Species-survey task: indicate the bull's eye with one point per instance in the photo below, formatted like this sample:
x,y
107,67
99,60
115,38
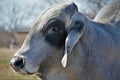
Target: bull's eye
x,y
55,29
56,33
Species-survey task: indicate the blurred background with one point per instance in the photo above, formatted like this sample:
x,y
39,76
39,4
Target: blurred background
x,y
16,18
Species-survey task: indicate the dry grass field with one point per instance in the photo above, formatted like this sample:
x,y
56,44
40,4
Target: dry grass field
x,y
6,73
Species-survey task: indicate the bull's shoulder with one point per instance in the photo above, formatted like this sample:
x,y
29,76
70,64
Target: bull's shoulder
x,y
109,14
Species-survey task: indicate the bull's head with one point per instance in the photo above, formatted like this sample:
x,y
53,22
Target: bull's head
x,y
52,38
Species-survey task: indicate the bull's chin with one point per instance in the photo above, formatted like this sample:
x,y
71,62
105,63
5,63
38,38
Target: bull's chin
x,y
29,73
25,72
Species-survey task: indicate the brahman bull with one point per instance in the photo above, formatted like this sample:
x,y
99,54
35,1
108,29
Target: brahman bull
x,y
65,45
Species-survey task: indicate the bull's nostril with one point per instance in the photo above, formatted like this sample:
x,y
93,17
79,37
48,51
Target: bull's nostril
x,y
19,62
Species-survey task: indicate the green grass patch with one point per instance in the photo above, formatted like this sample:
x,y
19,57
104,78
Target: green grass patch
x,y
6,72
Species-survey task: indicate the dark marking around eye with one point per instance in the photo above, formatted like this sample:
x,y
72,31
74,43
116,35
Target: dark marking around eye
x,y
56,34
56,39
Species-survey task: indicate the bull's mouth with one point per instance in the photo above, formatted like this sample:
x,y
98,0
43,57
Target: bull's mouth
x,y
27,73
22,71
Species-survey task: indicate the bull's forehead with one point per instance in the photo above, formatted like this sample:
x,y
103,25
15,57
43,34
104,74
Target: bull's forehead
x,y
60,12
54,12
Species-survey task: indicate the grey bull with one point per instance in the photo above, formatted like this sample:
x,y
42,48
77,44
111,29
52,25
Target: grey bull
x,y
63,44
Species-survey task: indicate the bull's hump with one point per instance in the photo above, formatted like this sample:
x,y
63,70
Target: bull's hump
x,y
109,14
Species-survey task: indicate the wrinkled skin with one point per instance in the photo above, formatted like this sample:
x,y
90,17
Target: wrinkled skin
x,y
95,56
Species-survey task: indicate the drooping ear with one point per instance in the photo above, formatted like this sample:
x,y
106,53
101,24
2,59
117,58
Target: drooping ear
x,y
72,38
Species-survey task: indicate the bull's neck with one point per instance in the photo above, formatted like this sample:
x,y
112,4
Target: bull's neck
x,y
89,33
92,32
98,34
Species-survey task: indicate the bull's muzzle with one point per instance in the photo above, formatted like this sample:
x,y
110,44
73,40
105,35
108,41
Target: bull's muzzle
x,y
17,63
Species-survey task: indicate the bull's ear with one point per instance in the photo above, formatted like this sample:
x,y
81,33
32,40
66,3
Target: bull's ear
x,y
72,38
